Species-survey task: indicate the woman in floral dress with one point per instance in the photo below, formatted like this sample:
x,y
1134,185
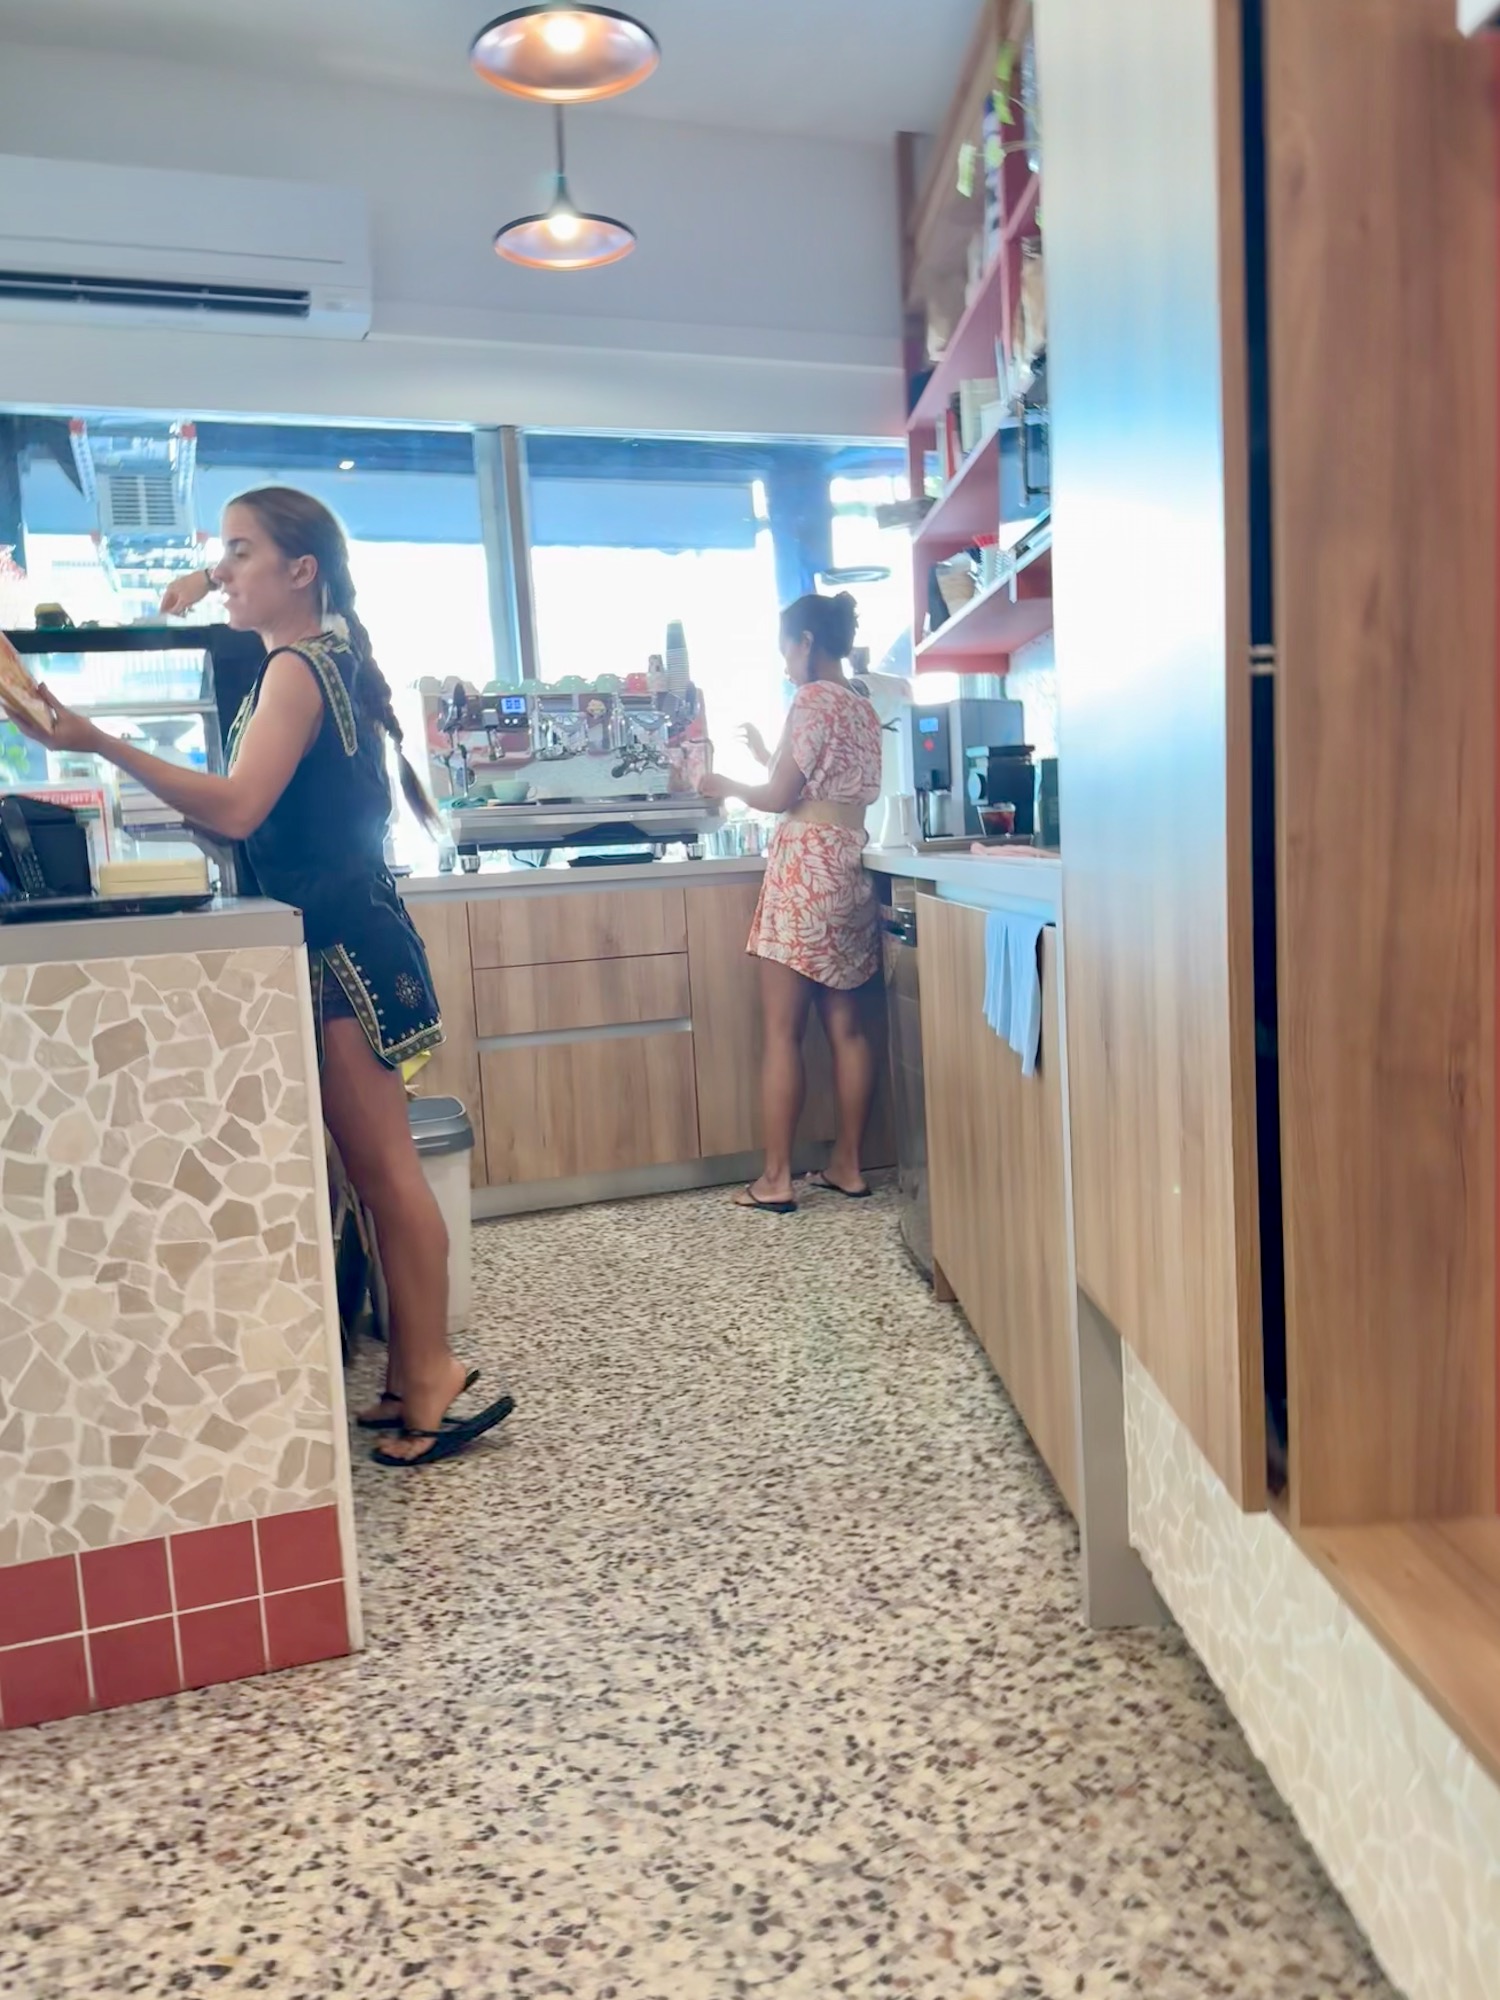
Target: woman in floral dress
x,y
816,931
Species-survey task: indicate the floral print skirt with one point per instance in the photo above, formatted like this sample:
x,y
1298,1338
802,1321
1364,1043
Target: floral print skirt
x,y
817,911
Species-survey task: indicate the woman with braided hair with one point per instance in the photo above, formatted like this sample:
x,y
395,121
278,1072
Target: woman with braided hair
x,y
308,793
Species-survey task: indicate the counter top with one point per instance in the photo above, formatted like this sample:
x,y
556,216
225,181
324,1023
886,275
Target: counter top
x,y
1014,876
499,881
231,923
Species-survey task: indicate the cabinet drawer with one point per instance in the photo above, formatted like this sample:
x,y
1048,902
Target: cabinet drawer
x,y
597,993
582,924
567,1109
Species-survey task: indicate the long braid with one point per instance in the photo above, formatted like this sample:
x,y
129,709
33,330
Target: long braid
x,y
372,695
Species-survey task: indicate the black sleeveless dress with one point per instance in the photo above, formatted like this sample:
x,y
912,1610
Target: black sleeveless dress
x,y
321,848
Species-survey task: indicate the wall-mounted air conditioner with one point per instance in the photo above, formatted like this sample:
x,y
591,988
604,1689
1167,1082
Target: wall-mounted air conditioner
x,y
97,245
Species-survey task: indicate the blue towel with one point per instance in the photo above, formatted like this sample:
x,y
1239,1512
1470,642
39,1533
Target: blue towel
x,y
1013,983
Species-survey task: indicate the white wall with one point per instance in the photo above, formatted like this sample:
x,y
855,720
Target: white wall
x,y
763,297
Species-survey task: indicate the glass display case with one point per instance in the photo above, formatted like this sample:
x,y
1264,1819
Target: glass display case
x,y
153,685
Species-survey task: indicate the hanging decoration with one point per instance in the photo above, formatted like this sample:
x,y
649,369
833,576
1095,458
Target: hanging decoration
x,y
564,54
564,237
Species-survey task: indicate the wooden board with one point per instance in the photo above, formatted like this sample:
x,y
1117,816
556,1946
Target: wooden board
x,y
995,1159
443,926
1430,1592
1148,562
568,1109
1385,353
595,993
582,924
727,1037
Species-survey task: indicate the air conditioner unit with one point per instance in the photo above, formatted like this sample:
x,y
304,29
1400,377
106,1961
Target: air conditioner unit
x,y
99,245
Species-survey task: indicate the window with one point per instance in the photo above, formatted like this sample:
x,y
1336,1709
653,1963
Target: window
x,y
630,535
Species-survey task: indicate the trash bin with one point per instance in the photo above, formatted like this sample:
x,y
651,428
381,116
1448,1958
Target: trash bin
x,y
445,1139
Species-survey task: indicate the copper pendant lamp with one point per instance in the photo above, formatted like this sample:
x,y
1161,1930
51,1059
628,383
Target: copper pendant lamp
x,y
564,238
565,54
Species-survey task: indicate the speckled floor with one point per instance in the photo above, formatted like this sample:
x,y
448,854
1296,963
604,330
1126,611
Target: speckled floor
x,y
745,1662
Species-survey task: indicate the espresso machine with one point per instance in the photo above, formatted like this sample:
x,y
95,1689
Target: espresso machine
x,y
945,739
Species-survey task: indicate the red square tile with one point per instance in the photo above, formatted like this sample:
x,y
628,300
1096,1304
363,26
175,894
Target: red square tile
x,y
296,1549
134,1663
214,1566
39,1601
307,1625
126,1584
43,1683
221,1645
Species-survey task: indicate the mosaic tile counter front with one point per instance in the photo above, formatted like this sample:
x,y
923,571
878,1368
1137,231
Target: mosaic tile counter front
x,y
1402,1815
174,1481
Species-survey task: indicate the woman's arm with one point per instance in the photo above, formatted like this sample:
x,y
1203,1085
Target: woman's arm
x,y
278,736
778,794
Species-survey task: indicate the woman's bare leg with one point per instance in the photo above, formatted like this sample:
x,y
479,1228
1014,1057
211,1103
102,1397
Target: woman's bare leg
x,y
853,1082
785,997
365,1105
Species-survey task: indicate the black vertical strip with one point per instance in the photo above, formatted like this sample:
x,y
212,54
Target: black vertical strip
x,y
1263,742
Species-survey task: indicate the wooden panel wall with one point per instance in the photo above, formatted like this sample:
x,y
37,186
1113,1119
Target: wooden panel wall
x,y
999,1195
1385,217
1146,372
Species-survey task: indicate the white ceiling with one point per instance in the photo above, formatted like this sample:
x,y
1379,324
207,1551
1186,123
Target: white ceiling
x,y
850,69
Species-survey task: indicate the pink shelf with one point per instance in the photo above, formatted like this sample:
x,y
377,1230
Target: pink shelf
x,y
970,354
994,624
970,505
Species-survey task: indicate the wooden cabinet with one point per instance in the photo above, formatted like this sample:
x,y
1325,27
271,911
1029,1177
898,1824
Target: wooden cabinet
x,y
727,1040
566,1110
582,968
1147,348
997,1171
577,924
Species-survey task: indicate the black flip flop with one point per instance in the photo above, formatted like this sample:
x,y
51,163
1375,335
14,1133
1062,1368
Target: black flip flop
x,y
821,1180
456,1435
394,1423
764,1207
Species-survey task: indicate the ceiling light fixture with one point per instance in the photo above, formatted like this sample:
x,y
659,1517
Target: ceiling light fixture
x,y
564,54
565,238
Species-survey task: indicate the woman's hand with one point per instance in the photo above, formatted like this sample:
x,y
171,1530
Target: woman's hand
x,y
184,593
755,743
712,786
68,731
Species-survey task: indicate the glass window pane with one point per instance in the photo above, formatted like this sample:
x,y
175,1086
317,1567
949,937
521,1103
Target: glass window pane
x,y
630,535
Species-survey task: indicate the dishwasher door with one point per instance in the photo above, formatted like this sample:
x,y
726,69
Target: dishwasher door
x,y
904,1026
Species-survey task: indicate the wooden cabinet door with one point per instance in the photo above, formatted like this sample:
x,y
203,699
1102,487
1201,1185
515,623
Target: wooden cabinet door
x,y
564,1110
727,1040
443,926
996,1162
600,993
1147,342
520,929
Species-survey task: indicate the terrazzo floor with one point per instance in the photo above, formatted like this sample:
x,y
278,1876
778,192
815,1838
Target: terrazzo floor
x,y
746,1661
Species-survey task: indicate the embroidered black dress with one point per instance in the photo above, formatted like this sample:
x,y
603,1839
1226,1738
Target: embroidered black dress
x,y
322,849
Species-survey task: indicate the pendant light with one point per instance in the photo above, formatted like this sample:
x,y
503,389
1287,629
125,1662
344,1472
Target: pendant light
x,y
564,238
565,54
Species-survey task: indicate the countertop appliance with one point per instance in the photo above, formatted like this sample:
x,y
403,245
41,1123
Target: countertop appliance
x,y
159,684
943,735
1001,775
908,1092
607,768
